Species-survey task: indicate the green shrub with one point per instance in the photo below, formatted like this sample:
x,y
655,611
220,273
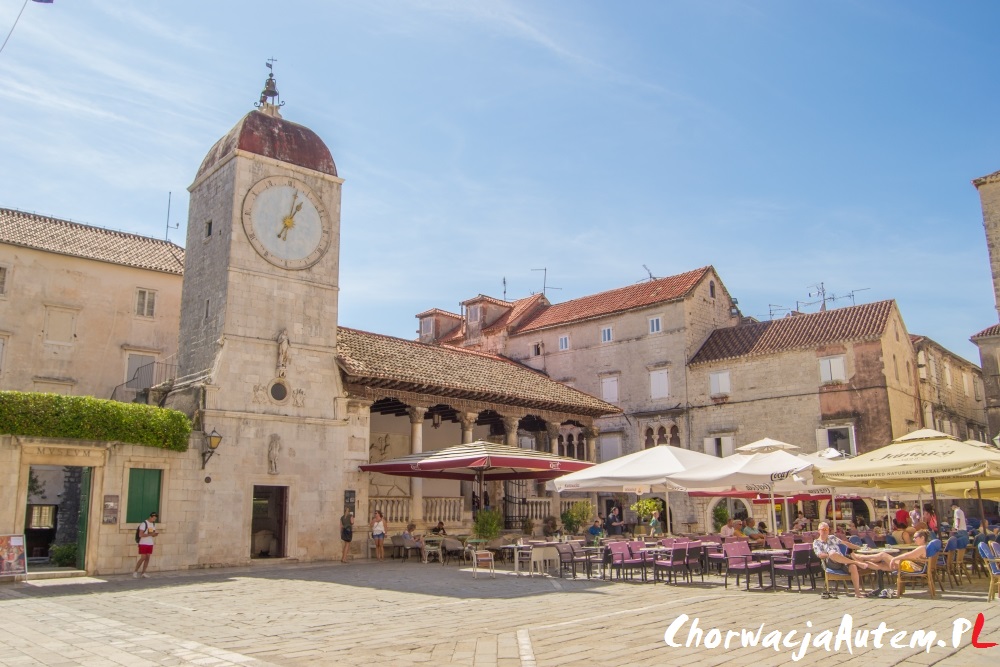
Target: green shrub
x,y
63,555
88,418
644,508
578,514
720,515
488,524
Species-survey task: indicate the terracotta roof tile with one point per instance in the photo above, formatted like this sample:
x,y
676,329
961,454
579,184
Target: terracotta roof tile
x,y
863,322
488,299
616,300
438,311
374,357
522,308
104,245
988,332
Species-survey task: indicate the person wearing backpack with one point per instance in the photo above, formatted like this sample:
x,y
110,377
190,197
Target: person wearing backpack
x,y
146,531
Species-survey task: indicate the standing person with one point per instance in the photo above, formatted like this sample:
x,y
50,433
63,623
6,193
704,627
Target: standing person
x,y
614,522
147,531
346,531
902,516
930,518
960,525
378,534
654,524
915,516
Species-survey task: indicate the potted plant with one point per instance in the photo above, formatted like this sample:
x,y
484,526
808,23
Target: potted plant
x,y
578,514
488,524
720,516
644,508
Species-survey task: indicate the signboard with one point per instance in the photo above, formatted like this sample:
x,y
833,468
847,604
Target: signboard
x,y
349,500
637,489
12,556
110,512
810,508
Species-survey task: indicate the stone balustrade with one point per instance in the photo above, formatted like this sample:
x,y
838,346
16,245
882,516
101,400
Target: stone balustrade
x,y
396,509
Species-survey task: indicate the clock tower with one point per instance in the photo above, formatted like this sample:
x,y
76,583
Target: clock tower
x,y
257,360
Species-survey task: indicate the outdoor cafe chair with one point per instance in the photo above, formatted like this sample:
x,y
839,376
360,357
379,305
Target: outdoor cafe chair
x,y
798,566
635,548
567,559
451,548
695,559
622,559
483,559
432,549
739,561
673,562
773,542
787,541
992,563
929,573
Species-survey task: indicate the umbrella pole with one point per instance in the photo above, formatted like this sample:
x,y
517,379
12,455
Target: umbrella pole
x,y
982,512
774,515
833,512
666,519
482,489
934,499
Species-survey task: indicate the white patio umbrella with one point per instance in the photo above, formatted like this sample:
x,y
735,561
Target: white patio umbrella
x,y
640,472
759,472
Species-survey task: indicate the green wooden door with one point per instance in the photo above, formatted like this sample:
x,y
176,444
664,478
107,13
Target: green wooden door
x,y
81,522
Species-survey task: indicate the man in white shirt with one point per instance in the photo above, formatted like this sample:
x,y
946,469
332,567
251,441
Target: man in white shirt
x,y
915,515
960,526
727,530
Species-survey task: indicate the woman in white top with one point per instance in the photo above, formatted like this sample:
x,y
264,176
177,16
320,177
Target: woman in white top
x,y
378,534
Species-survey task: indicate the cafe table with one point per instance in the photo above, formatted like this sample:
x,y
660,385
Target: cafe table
x,y
516,550
771,555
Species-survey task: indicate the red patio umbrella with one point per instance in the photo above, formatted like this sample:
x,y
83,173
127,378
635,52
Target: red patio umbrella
x,y
479,461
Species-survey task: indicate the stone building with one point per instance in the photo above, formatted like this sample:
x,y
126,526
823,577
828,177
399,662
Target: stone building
x,y
850,378
285,404
988,340
83,309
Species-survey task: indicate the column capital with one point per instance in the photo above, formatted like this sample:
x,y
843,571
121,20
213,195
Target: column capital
x,y
552,430
467,419
510,423
416,414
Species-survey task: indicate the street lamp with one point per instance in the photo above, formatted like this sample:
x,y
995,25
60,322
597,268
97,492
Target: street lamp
x,y
212,442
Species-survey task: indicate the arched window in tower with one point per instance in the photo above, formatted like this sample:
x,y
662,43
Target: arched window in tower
x,y
649,438
562,447
570,447
661,436
711,288
675,436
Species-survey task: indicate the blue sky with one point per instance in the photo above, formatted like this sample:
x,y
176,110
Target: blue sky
x,y
787,143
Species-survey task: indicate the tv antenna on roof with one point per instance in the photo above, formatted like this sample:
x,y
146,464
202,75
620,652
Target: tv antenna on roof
x,y
651,276
166,234
545,280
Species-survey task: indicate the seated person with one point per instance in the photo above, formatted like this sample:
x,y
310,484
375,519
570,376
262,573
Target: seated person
x,y
755,535
738,529
800,523
911,561
901,535
728,530
408,536
595,531
439,529
827,548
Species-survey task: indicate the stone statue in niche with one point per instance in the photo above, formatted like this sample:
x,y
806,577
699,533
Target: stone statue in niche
x,y
299,398
273,449
284,353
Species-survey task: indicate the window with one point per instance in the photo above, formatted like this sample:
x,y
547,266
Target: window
x,y
922,365
536,350
655,325
840,438
895,367
145,302
208,229
659,385
711,288
3,280
207,304
427,326
42,516
975,386
719,383
607,335
909,373
474,313
563,343
60,325
947,374
143,493
832,369
965,384
719,446
139,371
610,446
609,389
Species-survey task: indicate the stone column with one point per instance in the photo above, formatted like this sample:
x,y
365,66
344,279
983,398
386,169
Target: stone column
x,y
468,421
552,430
510,426
416,446
591,433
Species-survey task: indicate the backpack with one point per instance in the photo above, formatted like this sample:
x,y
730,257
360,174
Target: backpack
x,y
138,531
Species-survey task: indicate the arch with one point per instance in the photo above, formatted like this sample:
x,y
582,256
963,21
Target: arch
x,y
711,288
562,446
661,436
675,436
649,438
709,525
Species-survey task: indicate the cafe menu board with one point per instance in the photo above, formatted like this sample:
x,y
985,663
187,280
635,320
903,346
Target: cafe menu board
x,y
811,509
12,556
110,514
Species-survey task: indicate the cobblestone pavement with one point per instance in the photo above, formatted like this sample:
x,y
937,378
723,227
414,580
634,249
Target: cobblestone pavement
x,y
408,612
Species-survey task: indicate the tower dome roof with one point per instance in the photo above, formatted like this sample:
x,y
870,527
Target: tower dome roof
x,y
274,137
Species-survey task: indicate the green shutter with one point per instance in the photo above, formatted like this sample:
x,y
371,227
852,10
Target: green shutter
x,y
143,494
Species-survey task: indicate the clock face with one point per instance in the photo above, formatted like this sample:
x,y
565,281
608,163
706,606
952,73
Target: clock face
x,y
286,223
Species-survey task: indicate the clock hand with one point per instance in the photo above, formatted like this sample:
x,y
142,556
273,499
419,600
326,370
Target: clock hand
x,y
288,222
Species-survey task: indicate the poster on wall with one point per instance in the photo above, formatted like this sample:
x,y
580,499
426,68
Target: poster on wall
x,y
110,514
12,556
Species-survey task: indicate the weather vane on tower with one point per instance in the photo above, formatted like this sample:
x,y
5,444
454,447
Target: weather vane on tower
x,y
269,96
